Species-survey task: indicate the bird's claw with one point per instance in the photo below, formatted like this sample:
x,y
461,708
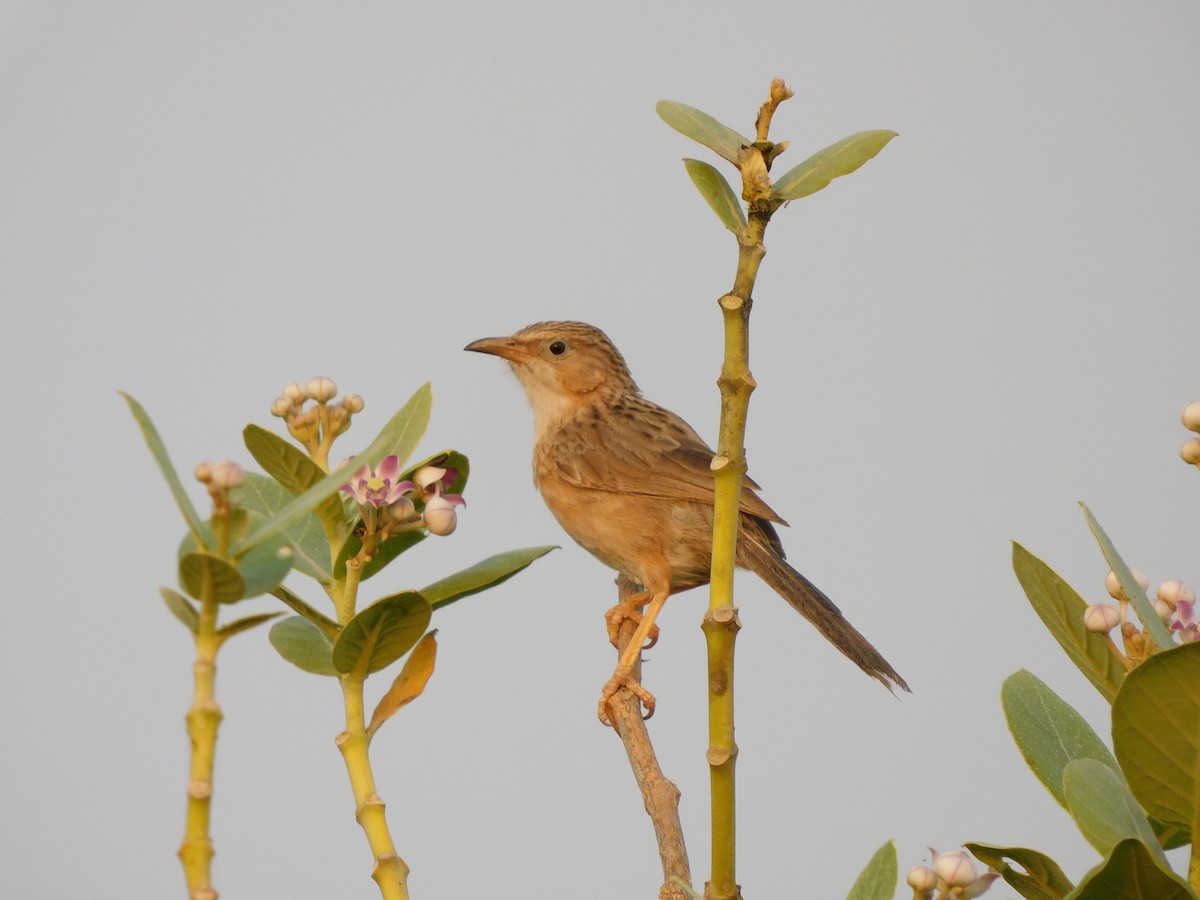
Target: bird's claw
x,y
616,616
609,692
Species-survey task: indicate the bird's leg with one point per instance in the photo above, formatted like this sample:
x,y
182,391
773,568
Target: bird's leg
x,y
629,608
623,676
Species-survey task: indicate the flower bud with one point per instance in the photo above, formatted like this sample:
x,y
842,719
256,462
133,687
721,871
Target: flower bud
x,y
1190,452
1101,618
204,472
281,407
294,392
1164,610
922,878
228,475
1114,586
402,510
353,403
1171,592
440,517
321,389
956,869
427,476
1190,417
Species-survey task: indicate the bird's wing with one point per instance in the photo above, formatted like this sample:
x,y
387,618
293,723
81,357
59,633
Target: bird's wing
x,y
655,454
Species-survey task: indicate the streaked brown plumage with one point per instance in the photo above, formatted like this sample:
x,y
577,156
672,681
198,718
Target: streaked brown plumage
x,y
631,483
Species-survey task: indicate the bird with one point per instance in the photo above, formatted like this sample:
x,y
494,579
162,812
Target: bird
x,y
631,483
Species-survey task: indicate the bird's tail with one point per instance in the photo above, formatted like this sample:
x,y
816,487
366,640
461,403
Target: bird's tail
x,y
756,554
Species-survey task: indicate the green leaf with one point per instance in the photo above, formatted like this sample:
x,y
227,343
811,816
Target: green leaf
x,y
304,645
702,128
1141,604
833,162
717,194
1038,878
484,574
181,608
1131,872
262,567
1104,810
1156,733
200,573
295,471
159,451
400,436
878,880
326,624
382,633
1061,609
1049,733
306,536
409,684
240,625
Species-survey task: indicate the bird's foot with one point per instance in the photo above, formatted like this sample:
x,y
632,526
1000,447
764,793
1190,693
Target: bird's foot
x,y
609,692
632,611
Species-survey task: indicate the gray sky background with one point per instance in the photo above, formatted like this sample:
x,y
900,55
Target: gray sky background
x,y
994,319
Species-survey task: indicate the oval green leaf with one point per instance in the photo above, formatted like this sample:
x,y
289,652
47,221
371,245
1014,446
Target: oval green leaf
x,y
1104,810
1061,610
292,468
481,576
307,537
202,575
702,128
181,608
877,881
1048,731
1038,878
1131,872
1156,732
304,645
400,436
1141,604
833,162
382,633
717,194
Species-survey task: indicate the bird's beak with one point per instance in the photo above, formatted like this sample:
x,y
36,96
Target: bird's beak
x,y
505,347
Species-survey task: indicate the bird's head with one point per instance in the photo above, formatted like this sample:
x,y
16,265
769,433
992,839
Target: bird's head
x,y
563,366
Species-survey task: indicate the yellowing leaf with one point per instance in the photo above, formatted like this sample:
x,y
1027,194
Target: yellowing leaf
x,y
409,684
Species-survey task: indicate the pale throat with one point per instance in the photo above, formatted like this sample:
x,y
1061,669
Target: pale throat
x,y
552,406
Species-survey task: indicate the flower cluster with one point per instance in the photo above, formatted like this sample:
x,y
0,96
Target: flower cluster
x,y
220,478
316,426
951,875
390,505
1190,417
1174,602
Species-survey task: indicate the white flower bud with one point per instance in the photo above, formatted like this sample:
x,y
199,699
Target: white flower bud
x,y
440,517
1190,417
1114,586
1101,618
956,869
281,407
321,389
228,475
428,475
1164,610
203,472
353,403
402,510
1190,452
922,878
294,392
1171,592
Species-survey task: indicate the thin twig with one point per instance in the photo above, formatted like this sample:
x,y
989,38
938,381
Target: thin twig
x,y
659,795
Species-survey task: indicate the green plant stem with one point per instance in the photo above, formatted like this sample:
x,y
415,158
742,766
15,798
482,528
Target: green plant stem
x,y
390,871
721,623
203,719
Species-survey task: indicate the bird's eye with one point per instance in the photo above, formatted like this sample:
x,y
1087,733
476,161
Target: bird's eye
x,y
558,348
